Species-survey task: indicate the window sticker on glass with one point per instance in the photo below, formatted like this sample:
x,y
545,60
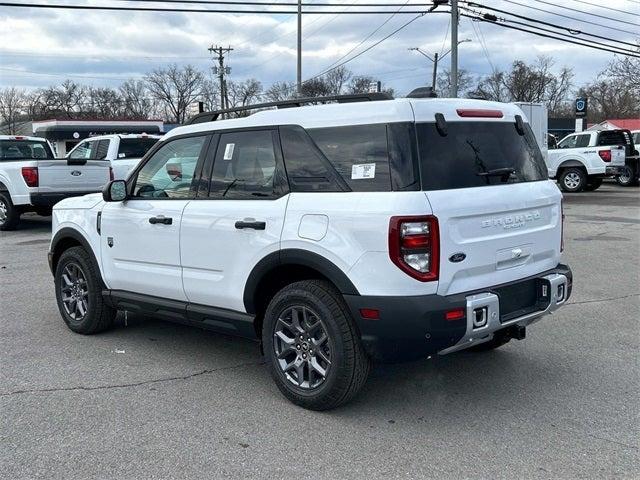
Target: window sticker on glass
x,y
363,171
228,151
122,155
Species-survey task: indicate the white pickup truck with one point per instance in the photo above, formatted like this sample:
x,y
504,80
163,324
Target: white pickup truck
x,y
582,160
123,151
32,179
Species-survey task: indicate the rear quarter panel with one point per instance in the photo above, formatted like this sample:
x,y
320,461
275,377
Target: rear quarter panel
x,y
355,235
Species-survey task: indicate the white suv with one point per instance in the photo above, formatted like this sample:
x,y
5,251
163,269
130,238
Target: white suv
x,y
335,234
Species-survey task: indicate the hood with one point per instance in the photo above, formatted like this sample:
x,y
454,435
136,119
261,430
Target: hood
x,y
84,202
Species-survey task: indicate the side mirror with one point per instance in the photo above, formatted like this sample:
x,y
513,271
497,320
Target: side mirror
x,y
115,191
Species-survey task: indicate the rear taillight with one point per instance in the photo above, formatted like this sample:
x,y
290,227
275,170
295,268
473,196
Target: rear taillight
x,y
111,177
414,246
30,175
605,155
562,225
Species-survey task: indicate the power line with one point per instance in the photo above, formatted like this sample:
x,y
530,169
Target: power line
x,y
572,31
593,42
367,37
569,17
586,13
275,4
492,22
404,25
611,9
200,10
65,75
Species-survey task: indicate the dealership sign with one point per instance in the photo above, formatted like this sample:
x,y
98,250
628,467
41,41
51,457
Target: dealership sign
x,y
581,107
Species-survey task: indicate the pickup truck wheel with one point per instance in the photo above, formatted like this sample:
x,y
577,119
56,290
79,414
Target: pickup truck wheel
x,y
79,293
9,214
312,347
573,180
593,184
628,178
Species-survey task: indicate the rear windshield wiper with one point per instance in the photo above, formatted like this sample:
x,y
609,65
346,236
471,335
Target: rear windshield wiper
x,y
503,173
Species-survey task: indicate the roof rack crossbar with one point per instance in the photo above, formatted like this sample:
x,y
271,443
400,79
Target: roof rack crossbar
x,y
292,103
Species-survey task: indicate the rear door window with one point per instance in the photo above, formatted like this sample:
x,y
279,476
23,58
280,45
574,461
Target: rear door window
x,y
358,153
582,141
246,166
476,154
99,150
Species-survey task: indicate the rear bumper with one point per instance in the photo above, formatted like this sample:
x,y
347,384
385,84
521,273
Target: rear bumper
x,y
614,170
415,327
49,199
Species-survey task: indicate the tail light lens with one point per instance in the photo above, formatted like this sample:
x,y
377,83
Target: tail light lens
x,y
414,246
30,175
605,155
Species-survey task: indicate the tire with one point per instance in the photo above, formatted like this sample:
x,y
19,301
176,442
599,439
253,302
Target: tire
x,y
9,214
593,184
76,274
572,180
316,303
629,178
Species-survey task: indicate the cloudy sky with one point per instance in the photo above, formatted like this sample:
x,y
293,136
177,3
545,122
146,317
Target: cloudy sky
x,y
40,47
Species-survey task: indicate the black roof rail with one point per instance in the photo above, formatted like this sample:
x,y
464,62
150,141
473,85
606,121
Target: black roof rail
x,y
294,102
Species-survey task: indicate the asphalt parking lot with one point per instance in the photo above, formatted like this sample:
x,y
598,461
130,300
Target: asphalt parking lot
x,y
158,400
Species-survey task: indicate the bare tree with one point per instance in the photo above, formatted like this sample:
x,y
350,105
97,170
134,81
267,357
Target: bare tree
x,y
610,98
363,83
280,91
491,88
175,88
136,102
11,107
443,82
627,70
337,79
103,102
315,87
245,93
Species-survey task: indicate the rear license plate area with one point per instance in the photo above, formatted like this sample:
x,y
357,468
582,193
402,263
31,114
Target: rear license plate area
x,y
522,298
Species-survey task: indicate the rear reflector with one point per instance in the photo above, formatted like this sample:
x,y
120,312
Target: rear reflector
x,y
473,112
370,313
605,155
456,314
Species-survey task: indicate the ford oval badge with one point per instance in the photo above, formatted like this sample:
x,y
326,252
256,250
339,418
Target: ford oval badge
x,y
76,173
457,257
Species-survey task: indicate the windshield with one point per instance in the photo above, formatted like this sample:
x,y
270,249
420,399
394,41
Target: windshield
x,y
24,150
475,154
135,147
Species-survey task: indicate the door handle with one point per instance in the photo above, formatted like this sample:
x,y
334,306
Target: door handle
x,y
240,224
161,219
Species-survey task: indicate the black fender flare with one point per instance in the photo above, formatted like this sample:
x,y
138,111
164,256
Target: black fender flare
x,y
294,256
63,234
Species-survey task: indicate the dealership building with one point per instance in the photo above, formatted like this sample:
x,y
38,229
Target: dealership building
x,y
66,134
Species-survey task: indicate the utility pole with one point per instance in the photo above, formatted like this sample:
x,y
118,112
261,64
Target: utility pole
x,y
221,70
299,69
436,58
454,49
435,72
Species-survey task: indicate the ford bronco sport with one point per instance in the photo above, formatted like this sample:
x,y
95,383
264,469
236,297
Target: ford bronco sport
x,y
372,229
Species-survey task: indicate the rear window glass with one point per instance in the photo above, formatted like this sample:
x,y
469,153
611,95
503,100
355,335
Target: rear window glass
x,y
24,149
611,138
135,147
358,153
476,154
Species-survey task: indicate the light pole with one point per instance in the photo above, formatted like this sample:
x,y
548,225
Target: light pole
x,y
435,59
